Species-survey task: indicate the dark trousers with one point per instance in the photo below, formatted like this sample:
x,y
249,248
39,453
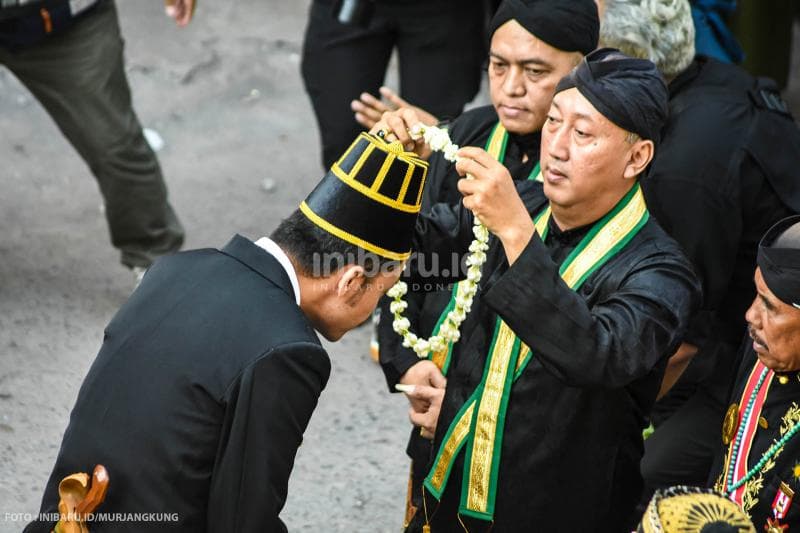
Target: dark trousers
x,y
79,78
440,45
681,451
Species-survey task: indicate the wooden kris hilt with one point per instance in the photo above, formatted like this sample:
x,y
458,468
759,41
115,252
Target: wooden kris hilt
x,y
79,497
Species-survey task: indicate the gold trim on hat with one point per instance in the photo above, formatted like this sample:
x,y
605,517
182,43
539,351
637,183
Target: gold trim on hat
x,y
387,164
373,195
349,237
394,152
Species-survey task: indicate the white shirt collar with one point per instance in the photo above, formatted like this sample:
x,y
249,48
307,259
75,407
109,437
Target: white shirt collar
x,y
273,249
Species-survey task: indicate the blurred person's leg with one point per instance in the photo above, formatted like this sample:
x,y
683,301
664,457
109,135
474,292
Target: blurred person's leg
x,y
339,63
79,77
441,47
681,450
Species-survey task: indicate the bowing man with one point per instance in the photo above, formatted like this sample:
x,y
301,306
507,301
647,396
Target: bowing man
x,y
208,375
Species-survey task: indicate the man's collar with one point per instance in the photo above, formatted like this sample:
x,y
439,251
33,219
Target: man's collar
x,y
570,235
260,261
272,247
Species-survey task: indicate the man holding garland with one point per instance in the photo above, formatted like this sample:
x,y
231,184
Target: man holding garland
x,y
534,43
583,300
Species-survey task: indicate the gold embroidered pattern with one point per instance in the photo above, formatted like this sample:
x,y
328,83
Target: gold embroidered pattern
x,y
452,445
611,235
486,424
753,487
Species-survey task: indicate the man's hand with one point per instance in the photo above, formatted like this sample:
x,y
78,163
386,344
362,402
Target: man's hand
x,y
395,126
425,373
425,377
492,196
426,402
676,364
369,110
181,10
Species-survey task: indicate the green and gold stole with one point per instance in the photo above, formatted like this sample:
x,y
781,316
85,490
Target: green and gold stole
x,y
479,423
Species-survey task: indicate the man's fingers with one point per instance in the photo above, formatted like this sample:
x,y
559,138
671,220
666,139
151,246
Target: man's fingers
x,y
373,103
399,127
425,421
479,155
437,380
424,392
468,187
421,419
393,97
465,166
364,120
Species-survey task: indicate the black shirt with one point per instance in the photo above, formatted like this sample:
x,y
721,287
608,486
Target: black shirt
x,y
576,412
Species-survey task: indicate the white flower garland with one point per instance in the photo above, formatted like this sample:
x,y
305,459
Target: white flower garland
x,y
439,141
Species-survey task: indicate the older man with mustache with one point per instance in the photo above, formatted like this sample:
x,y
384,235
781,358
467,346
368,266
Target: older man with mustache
x,y
760,465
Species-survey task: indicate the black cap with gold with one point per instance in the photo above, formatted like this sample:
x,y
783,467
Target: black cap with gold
x,y
371,197
685,509
779,259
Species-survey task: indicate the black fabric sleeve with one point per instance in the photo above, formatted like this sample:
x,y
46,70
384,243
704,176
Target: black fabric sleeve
x,y
709,233
618,340
267,411
441,234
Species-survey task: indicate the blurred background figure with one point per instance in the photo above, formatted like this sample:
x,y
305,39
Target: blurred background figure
x,y
348,44
764,29
69,54
713,37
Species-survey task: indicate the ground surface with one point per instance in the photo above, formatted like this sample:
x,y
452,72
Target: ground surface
x,y
241,152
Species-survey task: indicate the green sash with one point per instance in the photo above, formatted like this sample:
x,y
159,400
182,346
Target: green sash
x,y
479,423
496,147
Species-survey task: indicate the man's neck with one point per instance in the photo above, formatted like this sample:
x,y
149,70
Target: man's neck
x,y
585,213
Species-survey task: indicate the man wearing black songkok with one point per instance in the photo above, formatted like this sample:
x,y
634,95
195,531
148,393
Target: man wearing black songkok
x,y
759,465
582,300
533,44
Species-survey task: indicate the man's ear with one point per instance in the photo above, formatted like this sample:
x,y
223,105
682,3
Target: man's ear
x,y
351,280
642,152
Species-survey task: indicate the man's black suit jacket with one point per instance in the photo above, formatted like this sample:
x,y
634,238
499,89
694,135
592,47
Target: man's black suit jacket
x,y
198,399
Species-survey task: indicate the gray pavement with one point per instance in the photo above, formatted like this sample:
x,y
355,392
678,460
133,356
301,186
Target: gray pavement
x,y
241,152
